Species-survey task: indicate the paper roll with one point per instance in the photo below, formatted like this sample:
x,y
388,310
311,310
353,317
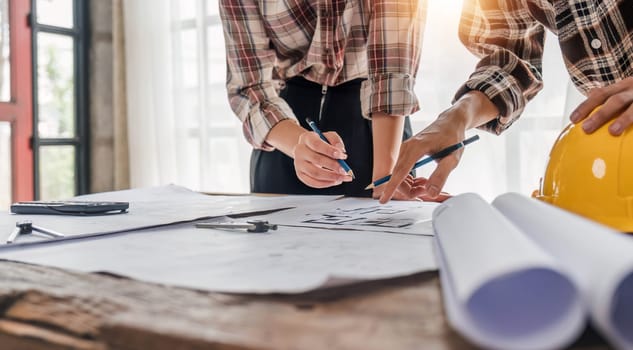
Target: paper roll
x,y
501,290
600,260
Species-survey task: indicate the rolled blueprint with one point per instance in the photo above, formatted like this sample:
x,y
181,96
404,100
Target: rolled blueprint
x,y
599,259
500,289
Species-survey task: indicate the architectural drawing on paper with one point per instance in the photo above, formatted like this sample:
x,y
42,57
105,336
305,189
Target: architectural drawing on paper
x,y
375,215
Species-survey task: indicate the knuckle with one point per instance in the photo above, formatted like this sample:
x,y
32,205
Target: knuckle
x,y
312,137
452,162
619,99
584,108
449,163
306,137
597,93
331,135
307,143
600,116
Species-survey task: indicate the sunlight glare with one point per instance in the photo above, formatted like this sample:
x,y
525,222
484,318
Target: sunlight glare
x,y
451,4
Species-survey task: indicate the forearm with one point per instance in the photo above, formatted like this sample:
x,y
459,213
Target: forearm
x,y
284,136
474,109
387,136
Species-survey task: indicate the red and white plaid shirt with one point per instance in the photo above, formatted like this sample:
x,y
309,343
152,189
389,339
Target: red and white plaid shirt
x,y
596,39
328,42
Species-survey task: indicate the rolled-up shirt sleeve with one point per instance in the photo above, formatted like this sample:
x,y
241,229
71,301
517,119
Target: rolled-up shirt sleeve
x,y
393,56
253,93
510,44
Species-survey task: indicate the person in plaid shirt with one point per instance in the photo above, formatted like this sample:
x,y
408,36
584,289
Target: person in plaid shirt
x,y
596,40
337,62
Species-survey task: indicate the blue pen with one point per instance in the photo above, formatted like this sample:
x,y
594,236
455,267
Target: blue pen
x,y
344,165
435,156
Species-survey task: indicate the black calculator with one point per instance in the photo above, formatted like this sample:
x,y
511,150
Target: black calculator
x,y
69,207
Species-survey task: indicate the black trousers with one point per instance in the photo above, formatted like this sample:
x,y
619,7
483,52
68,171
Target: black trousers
x,y
274,172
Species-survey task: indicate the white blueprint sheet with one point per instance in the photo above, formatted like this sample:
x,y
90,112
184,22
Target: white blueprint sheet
x,y
410,217
149,207
289,260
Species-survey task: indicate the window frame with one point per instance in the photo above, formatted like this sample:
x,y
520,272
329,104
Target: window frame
x,y
18,110
81,140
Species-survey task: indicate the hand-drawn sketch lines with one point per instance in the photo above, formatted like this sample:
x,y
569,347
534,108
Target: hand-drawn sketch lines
x,y
375,215
361,214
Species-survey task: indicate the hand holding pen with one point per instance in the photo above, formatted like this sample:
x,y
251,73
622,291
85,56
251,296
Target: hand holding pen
x,y
318,158
435,156
400,172
341,162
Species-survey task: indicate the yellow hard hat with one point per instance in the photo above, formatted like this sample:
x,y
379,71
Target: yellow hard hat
x,y
592,175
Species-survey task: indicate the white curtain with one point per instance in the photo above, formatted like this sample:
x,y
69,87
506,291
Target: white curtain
x,y
182,131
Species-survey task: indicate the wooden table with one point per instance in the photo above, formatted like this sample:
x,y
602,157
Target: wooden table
x,y
48,308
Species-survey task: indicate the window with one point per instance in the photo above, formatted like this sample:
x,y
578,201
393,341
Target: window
x,y
60,136
214,140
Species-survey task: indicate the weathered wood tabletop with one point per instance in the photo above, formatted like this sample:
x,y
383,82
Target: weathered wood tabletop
x,y
47,308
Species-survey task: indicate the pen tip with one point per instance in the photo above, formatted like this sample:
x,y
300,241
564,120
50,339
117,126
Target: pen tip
x,y
351,173
370,187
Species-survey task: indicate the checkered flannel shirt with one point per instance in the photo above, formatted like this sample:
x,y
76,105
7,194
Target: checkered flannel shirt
x,y
326,41
596,39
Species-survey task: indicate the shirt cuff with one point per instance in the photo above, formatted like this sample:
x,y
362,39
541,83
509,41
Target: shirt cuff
x,y
389,93
262,118
503,90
